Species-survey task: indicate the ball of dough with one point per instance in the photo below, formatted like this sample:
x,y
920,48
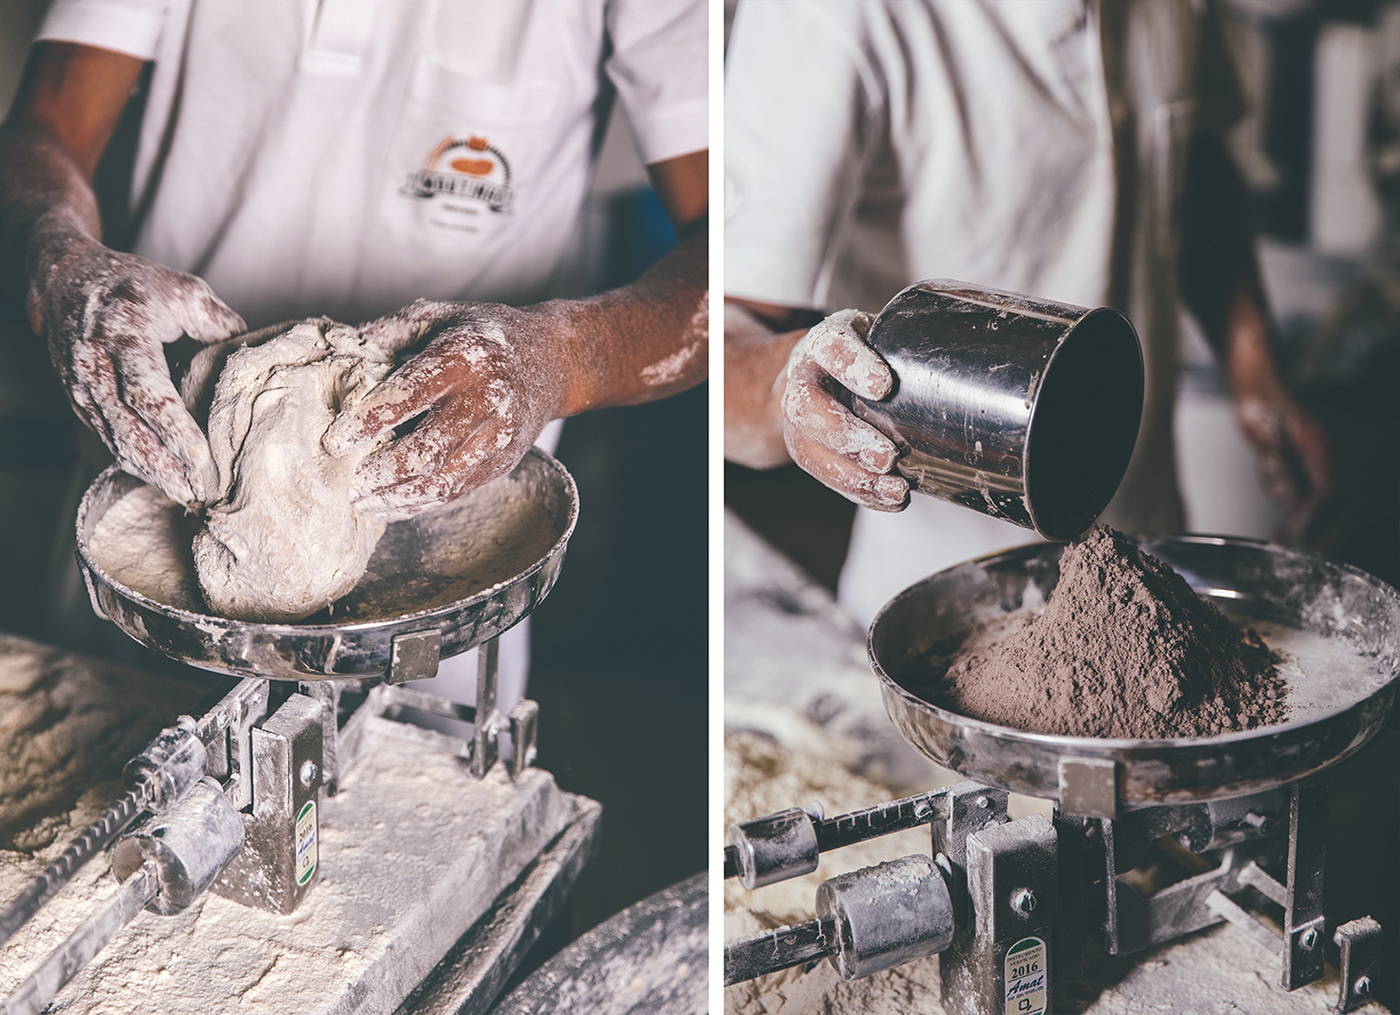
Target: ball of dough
x,y
284,539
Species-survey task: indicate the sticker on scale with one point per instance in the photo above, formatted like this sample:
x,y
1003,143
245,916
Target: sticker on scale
x,y
306,842
1025,977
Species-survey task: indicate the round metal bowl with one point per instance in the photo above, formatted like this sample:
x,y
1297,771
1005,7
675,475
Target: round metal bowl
x,y
459,574
1352,615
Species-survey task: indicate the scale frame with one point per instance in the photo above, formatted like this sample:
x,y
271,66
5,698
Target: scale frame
x,y
1250,579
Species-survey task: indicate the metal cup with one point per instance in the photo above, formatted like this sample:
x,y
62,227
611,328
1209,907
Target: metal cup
x,y
1020,408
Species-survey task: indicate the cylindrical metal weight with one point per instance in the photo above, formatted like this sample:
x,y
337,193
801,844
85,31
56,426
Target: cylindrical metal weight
x,y
190,845
1019,408
886,915
171,763
775,847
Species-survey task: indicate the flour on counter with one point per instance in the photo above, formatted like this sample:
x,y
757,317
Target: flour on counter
x,y
65,724
413,849
761,777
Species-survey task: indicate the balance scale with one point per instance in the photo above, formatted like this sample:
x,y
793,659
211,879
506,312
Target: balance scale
x,y
1149,840
305,847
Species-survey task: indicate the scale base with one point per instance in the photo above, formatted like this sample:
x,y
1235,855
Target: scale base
x,y
1206,971
413,852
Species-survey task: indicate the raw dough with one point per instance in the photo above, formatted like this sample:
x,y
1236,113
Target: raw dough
x,y
284,539
143,541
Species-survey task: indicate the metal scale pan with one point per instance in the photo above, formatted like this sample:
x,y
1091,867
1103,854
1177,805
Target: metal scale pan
x,y
438,584
1341,625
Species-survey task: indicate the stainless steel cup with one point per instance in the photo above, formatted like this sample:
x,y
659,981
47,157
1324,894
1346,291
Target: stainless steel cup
x,y
1020,408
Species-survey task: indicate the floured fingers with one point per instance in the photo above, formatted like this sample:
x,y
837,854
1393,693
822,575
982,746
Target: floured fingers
x,y
413,388
203,316
132,441
152,429
878,491
427,468
401,329
837,345
826,439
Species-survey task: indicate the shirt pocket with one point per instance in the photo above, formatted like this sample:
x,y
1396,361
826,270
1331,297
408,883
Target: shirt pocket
x,y
464,160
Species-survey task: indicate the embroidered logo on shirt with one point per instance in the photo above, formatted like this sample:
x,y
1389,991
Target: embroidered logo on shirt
x,y
472,169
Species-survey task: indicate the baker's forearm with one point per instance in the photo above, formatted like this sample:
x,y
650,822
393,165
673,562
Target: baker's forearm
x,y
640,342
45,204
1220,281
755,370
67,105
787,382
1221,285
105,315
1247,342
1243,338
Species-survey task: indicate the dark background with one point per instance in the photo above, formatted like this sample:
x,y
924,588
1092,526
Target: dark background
x,y
620,659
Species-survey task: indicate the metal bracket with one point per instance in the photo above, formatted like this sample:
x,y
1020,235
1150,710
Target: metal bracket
x,y
1089,787
1070,936
337,750
968,807
1359,941
1300,949
381,709
227,734
1262,882
1303,928
1254,876
280,859
414,656
1220,903
1000,959
524,734
485,741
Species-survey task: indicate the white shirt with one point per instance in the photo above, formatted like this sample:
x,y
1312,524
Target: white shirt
x,y
346,156
919,140
1021,144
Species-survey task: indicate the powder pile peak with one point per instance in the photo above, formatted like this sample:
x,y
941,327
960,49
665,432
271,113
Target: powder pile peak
x,y
1124,648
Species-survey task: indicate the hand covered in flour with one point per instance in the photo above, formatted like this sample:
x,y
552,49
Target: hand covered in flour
x,y
822,435
486,381
106,316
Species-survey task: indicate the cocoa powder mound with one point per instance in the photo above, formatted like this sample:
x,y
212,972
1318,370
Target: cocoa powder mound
x,y
1124,648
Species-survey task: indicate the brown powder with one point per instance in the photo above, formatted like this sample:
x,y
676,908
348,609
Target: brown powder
x,y
1124,648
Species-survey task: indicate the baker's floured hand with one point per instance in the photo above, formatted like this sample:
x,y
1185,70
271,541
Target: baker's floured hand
x,y
822,434
486,381
106,316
